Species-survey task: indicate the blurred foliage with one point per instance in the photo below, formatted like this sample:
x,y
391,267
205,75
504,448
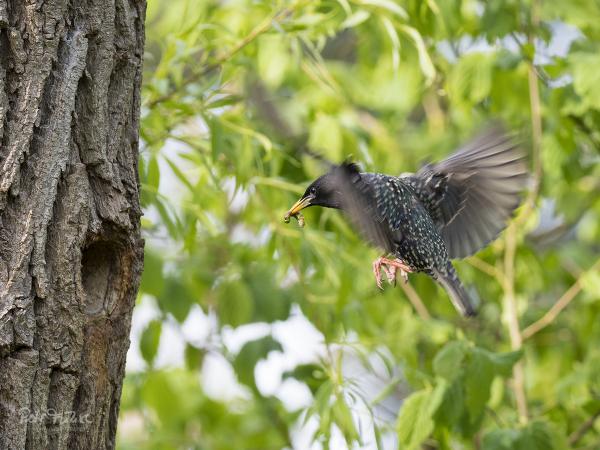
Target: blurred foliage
x,y
234,91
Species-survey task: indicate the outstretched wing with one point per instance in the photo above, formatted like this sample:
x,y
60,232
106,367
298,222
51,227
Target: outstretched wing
x,y
471,194
360,205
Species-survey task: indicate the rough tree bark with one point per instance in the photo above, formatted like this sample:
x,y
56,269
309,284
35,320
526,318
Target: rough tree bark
x,y
70,247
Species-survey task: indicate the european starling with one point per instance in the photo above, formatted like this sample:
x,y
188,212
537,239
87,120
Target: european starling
x,y
446,210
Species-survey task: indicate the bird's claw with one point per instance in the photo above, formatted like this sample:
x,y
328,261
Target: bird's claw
x,y
404,275
377,273
390,267
390,272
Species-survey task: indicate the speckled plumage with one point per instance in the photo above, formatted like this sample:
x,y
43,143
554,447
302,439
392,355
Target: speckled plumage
x,y
446,210
416,239
411,234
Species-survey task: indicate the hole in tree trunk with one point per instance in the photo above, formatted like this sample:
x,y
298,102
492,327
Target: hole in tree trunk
x,y
99,273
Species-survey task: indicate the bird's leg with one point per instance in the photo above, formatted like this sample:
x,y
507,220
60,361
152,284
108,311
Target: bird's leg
x,y
390,266
390,270
391,274
377,272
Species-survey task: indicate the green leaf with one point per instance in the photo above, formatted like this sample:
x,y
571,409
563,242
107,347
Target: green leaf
x,y
425,62
193,357
226,100
159,395
326,136
153,178
586,78
393,34
168,218
176,298
590,283
323,396
312,375
537,435
252,352
471,78
179,174
483,366
222,143
271,303
152,277
322,406
356,19
343,419
387,5
415,422
234,303
448,362
273,57
150,340
504,362
452,408
479,377
500,440
167,394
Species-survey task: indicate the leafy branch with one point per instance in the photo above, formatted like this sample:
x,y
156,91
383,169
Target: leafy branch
x,y
510,303
560,304
583,429
260,29
416,301
512,317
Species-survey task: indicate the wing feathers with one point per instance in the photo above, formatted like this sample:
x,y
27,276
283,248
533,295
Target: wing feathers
x,y
473,192
358,203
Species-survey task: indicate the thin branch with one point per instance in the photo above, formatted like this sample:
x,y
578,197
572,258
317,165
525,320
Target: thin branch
x,y
494,415
572,267
539,70
261,28
510,302
519,389
512,318
580,123
487,268
560,304
591,446
584,428
415,300
536,130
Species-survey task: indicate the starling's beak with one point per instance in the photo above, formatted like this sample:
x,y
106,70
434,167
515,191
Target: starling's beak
x,y
299,206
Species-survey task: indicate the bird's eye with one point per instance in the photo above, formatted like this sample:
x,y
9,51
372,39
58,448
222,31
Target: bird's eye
x,y
313,191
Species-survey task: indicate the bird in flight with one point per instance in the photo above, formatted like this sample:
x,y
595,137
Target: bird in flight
x,y
446,210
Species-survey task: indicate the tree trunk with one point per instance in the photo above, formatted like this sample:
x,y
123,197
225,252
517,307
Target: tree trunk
x,y
70,247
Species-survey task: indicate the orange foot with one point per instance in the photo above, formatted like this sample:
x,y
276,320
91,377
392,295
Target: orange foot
x,y
390,267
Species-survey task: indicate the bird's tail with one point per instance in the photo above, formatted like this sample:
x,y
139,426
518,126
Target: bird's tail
x,y
459,297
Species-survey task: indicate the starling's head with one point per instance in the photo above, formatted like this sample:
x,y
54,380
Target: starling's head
x,y
326,190
321,192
